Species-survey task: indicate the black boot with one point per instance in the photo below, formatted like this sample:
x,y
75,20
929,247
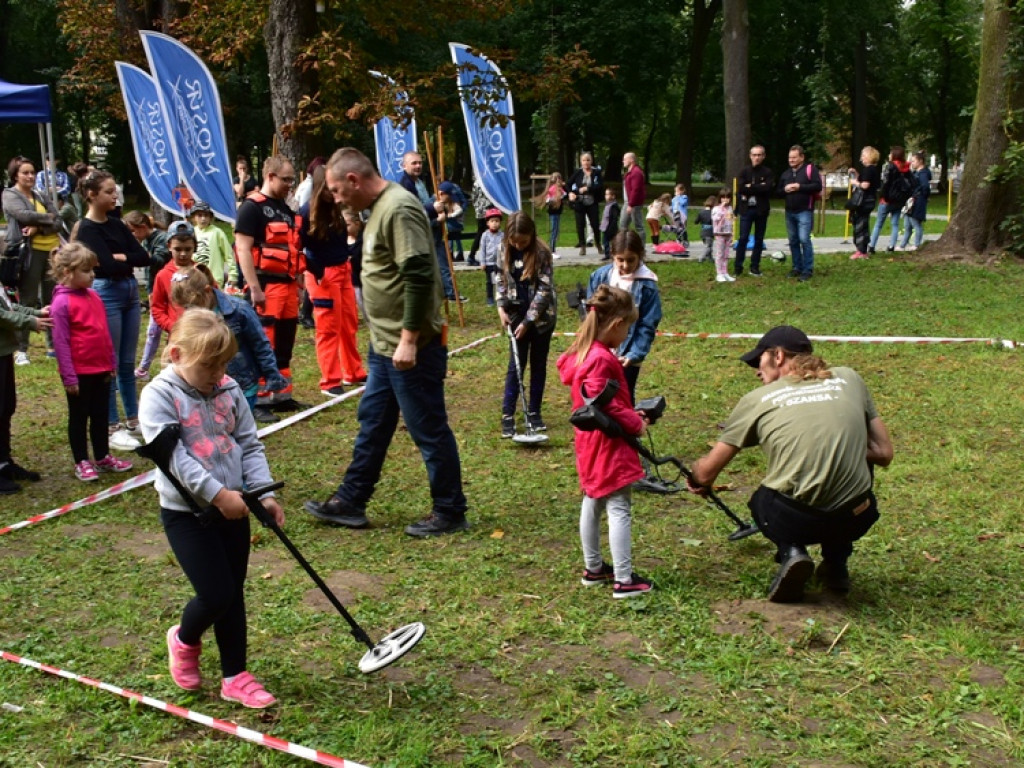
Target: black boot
x,y
795,570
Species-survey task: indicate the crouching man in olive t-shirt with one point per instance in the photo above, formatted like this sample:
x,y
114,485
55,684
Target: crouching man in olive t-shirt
x,y
822,437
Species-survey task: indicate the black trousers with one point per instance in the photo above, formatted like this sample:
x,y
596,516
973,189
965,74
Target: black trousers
x,y
214,558
582,214
861,231
788,522
87,416
8,402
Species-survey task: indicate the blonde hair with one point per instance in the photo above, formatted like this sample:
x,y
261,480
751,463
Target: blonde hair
x,y
665,199
804,367
274,164
68,258
193,287
201,336
872,154
605,305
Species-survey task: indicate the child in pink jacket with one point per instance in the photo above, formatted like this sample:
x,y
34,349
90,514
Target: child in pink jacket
x,y
607,465
85,359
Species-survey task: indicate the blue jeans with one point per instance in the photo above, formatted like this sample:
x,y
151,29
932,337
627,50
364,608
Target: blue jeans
x,y
799,225
418,394
555,220
894,211
446,274
121,300
915,225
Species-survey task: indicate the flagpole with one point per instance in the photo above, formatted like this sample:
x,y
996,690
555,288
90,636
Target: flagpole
x,y
444,227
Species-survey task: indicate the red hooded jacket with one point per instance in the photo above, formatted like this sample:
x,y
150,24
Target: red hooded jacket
x,y
605,464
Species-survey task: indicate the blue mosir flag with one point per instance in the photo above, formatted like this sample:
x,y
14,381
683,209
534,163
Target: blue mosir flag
x,y
148,124
485,96
192,104
391,140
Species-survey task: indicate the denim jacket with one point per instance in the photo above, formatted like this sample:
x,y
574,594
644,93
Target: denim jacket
x,y
647,298
255,356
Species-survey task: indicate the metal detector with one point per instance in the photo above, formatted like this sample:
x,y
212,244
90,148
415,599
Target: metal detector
x,y
590,416
531,436
390,648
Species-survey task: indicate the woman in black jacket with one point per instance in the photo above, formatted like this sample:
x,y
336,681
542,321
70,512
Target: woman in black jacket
x,y
867,181
118,253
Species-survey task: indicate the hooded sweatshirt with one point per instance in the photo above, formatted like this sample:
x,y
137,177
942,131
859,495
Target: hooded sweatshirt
x,y
81,339
605,464
219,447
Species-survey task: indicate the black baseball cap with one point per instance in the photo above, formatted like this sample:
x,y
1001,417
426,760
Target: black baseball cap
x,y
785,336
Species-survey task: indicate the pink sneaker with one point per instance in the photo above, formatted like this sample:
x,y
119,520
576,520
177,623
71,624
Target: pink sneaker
x,y
110,464
859,255
183,661
247,691
84,470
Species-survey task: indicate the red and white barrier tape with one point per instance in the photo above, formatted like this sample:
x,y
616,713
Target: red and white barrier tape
x,y
147,477
1006,343
322,758
115,490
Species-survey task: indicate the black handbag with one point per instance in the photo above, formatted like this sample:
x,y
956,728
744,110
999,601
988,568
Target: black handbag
x,y
15,257
856,198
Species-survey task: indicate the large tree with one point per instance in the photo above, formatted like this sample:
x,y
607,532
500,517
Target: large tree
x,y
735,83
986,200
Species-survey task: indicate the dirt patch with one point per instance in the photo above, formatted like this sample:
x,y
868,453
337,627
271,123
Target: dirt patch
x,y
269,564
817,620
726,743
346,586
986,676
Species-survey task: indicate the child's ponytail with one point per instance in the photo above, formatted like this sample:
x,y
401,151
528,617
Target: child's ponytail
x,y
606,304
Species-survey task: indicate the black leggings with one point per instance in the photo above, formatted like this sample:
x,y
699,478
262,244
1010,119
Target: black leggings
x,y
582,214
533,354
87,414
214,558
8,402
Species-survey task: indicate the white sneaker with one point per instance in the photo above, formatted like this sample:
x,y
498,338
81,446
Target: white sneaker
x,y
725,279
899,248
122,440
21,358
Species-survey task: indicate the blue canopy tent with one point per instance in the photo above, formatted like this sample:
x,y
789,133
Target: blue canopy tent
x,y
31,104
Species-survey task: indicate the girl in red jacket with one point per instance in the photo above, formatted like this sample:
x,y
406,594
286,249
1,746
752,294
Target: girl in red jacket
x,y
607,466
85,358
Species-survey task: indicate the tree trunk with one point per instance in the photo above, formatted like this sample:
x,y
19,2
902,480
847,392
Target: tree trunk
x,y
289,24
736,84
982,206
703,21
860,96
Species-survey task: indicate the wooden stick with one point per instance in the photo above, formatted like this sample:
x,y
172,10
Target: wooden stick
x,y
444,230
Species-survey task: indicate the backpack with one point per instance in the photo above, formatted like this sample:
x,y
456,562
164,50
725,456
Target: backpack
x,y
899,188
815,196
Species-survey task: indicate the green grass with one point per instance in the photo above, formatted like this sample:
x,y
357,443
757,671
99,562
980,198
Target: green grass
x,y
521,666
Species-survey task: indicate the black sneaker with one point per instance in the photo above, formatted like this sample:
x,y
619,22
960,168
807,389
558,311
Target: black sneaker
x,y
264,415
508,426
13,471
755,273
333,391
332,511
8,486
603,575
536,422
834,576
636,586
437,525
794,273
805,277
788,584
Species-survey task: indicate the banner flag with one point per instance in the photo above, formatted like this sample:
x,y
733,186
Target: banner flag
x,y
192,104
393,141
485,96
148,124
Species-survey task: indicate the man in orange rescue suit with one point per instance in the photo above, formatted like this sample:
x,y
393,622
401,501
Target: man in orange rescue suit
x,y
268,253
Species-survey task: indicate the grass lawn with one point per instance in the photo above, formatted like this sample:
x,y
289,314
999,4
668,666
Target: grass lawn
x,y
922,665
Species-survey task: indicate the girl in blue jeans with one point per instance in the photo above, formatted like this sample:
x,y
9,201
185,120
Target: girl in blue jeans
x,y
118,253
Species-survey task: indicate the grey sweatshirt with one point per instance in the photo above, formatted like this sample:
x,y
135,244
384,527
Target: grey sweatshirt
x,y
218,447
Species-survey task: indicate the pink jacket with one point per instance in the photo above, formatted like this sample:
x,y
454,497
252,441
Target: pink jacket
x,y
605,464
81,338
